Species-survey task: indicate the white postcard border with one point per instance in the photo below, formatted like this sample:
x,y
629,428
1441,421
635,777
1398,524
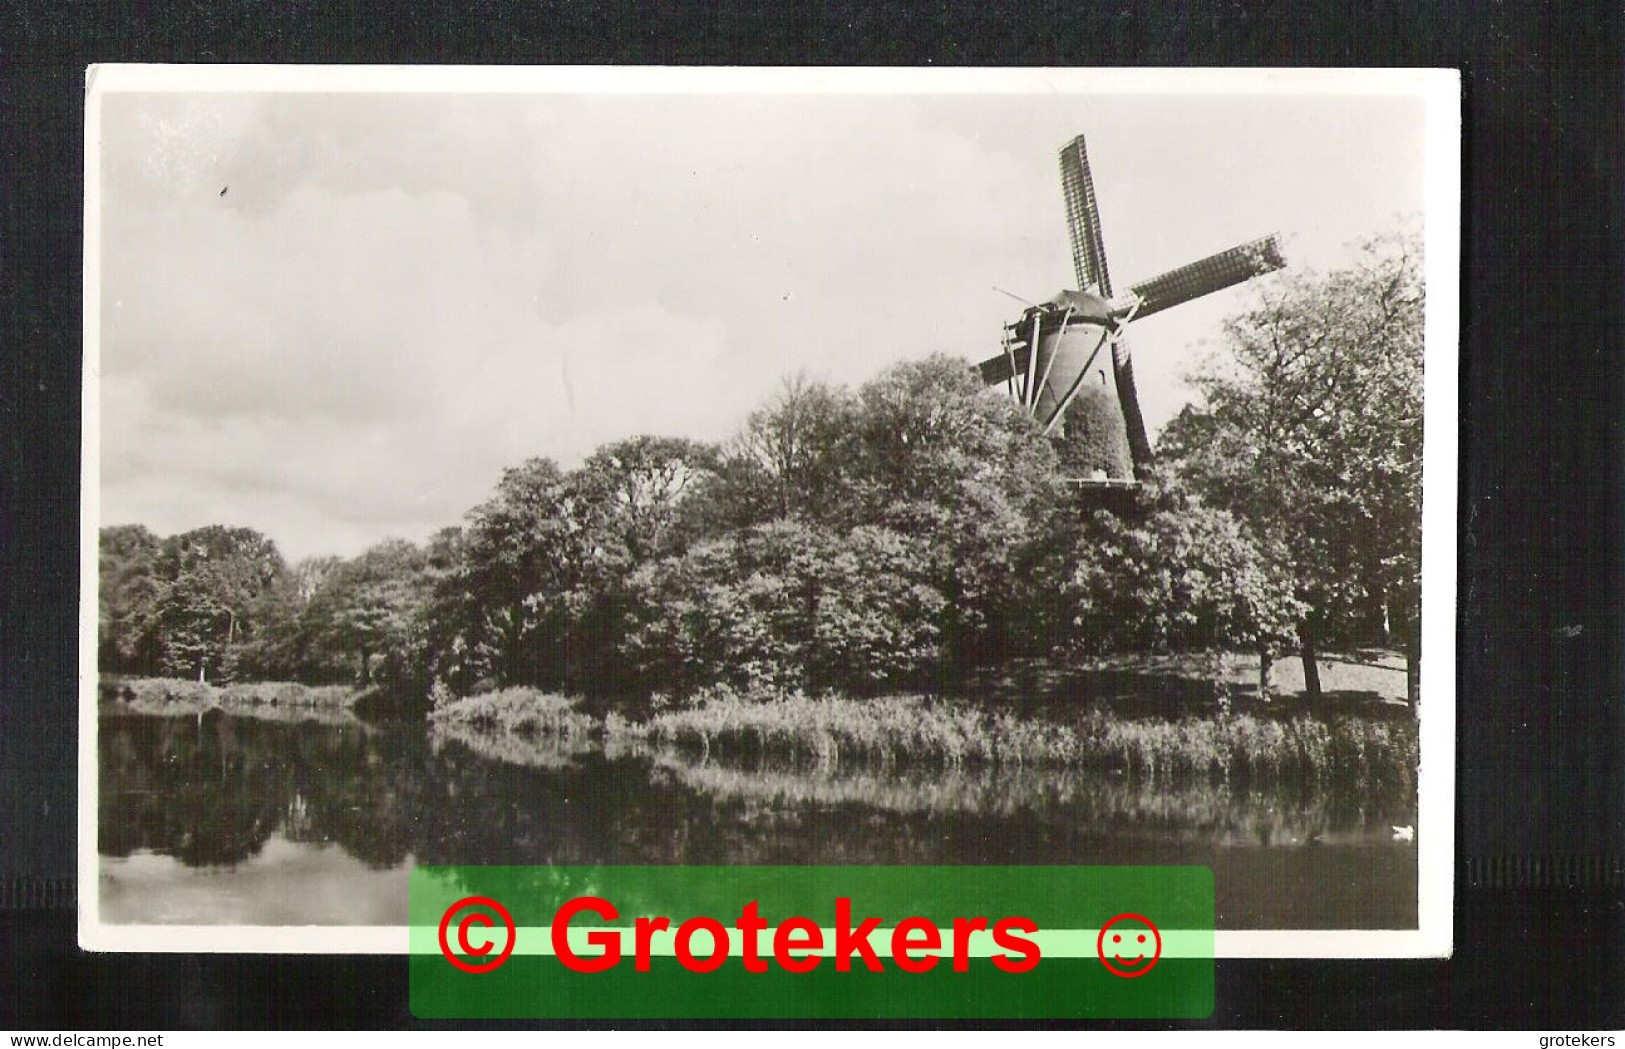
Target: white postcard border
x,y
1441,90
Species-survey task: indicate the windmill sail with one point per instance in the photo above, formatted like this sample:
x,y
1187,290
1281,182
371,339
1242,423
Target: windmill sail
x,y
1083,219
1214,273
1089,262
1128,395
999,369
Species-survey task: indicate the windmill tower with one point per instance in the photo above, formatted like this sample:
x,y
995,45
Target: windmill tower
x,y
1054,350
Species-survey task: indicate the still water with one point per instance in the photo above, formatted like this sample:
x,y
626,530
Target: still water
x,y
225,819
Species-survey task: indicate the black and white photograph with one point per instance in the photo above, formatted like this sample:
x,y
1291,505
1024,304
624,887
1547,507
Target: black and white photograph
x,y
767,467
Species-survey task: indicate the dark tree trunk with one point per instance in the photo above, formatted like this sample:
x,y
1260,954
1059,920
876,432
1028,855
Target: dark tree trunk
x,y
1266,665
951,640
1311,668
366,658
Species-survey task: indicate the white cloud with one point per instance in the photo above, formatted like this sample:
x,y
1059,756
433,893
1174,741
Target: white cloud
x,y
395,298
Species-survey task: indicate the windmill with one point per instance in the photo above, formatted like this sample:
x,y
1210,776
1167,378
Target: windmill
x,y
1050,352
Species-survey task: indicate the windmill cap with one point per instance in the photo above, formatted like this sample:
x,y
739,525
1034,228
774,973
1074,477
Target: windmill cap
x,y
1086,307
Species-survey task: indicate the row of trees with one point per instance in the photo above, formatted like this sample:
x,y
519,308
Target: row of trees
x,y
858,539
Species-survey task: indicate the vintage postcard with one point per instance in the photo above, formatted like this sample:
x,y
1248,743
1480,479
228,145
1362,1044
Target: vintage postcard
x,y
570,467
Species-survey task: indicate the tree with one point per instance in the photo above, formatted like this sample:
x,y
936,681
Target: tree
x,y
1312,435
631,498
1180,575
129,591
966,472
632,492
876,615
524,551
311,573
788,604
367,607
442,623
791,457
726,611
223,588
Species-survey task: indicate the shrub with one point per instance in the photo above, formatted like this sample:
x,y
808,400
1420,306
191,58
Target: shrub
x,y
520,710
147,691
1093,437
440,695
287,694
179,696
1179,574
785,605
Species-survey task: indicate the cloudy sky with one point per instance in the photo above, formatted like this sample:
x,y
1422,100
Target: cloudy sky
x,y
337,317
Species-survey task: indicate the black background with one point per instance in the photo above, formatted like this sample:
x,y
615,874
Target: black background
x,y
1540,901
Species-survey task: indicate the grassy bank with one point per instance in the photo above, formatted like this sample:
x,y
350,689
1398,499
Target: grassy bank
x,y
516,711
1242,749
902,729
160,695
896,733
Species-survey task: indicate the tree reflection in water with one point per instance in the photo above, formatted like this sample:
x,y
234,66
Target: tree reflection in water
x,y
211,790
